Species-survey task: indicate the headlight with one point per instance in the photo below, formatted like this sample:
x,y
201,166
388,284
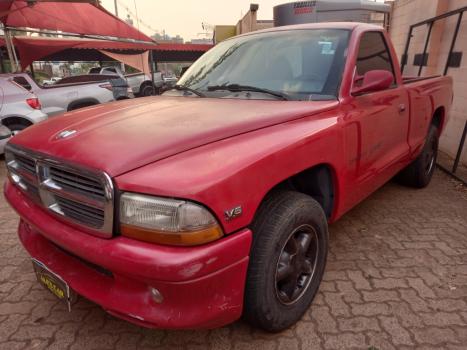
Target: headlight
x,y
166,221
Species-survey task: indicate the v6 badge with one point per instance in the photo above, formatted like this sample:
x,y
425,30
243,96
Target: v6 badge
x,y
233,213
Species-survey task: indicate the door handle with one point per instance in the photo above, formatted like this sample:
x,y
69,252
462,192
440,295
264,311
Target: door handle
x,y
402,108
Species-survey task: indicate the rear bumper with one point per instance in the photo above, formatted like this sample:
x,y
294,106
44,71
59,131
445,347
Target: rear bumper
x,y
37,116
202,287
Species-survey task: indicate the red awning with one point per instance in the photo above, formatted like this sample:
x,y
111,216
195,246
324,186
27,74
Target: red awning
x,y
36,48
69,17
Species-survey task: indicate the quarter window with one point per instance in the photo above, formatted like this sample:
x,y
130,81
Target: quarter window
x,y
21,81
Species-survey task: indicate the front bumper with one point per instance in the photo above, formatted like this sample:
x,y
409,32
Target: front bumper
x,y
3,142
202,286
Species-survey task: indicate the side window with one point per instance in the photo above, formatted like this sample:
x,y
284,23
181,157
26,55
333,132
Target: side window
x,y
373,54
21,81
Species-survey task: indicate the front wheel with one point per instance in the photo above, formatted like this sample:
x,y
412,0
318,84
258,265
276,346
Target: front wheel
x,y
287,260
418,174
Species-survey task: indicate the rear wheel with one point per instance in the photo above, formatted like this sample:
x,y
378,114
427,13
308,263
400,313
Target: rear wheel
x,y
287,260
147,90
419,173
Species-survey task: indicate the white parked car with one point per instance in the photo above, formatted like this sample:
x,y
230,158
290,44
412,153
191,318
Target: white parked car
x,y
51,81
60,98
5,135
19,108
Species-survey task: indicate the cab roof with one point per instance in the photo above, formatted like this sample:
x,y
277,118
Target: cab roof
x,y
322,25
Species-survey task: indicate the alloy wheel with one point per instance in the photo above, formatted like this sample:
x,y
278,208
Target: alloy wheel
x,y
296,264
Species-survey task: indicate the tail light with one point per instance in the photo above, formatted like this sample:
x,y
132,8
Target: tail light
x,y
34,103
107,86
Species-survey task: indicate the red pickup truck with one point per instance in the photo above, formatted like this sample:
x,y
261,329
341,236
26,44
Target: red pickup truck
x,y
212,201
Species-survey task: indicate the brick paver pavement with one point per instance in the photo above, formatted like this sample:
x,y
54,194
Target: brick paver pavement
x,y
396,278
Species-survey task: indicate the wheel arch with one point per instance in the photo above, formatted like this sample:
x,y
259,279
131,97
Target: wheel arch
x,y
438,119
84,102
145,83
10,120
318,181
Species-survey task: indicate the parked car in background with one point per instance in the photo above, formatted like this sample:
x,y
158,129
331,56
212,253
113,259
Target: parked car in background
x,y
59,98
5,135
169,80
19,107
116,84
213,200
51,81
140,83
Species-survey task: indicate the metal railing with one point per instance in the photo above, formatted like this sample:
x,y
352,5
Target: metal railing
x,y
449,62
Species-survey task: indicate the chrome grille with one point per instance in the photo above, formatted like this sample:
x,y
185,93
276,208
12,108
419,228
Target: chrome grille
x,y
26,163
77,194
80,212
33,191
79,183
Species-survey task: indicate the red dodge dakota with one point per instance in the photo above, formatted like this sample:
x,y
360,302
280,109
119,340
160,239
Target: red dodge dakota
x,y
212,201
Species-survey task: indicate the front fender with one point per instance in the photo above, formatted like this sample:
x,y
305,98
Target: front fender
x,y
241,170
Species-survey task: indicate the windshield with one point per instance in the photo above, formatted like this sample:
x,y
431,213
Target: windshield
x,y
302,64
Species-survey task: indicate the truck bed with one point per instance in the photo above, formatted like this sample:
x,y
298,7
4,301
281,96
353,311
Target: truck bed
x,y
412,79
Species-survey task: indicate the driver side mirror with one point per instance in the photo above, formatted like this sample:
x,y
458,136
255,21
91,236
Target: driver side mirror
x,y
372,81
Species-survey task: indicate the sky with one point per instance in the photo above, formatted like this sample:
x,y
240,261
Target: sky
x,y
184,17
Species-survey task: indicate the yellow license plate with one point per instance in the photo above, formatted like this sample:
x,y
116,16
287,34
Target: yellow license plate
x,y
54,283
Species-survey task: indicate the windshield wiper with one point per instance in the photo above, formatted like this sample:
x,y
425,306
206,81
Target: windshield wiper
x,y
238,88
186,88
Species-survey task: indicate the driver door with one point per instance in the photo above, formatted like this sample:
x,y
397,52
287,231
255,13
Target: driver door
x,y
379,123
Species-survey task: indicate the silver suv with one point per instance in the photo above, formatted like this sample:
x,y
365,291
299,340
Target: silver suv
x,y
19,108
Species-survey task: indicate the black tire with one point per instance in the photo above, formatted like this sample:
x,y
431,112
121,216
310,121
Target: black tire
x,y
147,90
16,128
282,218
419,173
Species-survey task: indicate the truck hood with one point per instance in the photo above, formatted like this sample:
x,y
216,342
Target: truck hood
x,y
123,136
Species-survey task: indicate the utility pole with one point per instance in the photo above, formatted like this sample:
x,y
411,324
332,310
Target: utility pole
x,y
122,65
116,8
11,51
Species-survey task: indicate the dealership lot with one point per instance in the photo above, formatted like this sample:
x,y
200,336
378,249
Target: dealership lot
x,y
396,278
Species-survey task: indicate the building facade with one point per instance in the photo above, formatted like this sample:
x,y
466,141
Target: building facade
x,y
248,23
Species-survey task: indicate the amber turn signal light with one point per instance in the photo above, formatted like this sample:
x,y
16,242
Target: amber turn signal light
x,y
191,238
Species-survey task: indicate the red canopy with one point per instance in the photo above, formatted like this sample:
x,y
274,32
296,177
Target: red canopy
x,y
79,18
36,48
